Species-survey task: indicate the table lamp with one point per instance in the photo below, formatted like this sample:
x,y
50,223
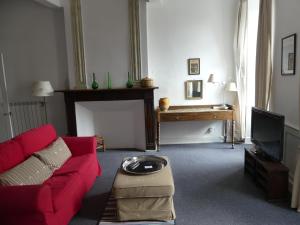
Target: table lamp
x,y
43,89
231,86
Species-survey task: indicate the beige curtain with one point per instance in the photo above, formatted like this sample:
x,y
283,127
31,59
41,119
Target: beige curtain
x,y
263,76
135,52
240,59
78,45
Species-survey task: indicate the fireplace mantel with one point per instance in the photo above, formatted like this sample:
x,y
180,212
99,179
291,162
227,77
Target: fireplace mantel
x,y
146,94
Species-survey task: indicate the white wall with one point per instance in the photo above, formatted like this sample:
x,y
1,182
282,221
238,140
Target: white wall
x,y
50,3
84,120
285,97
121,123
106,40
178,30
69,43
286,88
143,39
33,42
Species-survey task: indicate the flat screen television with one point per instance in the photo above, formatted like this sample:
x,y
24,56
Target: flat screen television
x,y
267,133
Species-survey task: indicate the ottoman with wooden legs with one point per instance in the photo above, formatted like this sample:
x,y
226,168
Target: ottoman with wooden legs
x,y
145,197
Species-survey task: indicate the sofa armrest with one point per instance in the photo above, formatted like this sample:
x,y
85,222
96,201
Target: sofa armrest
x,y
81,145
25,199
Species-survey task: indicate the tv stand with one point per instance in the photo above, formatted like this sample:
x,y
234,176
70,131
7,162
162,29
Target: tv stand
x,y
271,176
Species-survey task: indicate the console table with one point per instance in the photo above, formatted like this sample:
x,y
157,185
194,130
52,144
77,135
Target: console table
x,y
196,112
146,94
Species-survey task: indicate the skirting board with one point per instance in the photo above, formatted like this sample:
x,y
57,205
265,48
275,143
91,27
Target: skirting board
x,y
190,140
291,150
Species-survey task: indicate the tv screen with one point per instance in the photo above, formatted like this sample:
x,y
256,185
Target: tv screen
x,y
267,133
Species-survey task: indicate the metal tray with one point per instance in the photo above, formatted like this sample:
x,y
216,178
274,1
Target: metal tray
x,y
144,164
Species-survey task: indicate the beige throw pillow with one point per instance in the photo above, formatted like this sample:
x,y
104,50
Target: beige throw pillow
x,y
30,172
55,155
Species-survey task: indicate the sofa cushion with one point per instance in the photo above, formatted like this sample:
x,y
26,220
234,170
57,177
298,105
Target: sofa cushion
x,y
31,171
36,139
11,154
79,164
65,188
55,155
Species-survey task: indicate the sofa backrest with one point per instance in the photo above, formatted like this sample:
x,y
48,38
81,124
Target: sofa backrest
x,y
11,154
36,139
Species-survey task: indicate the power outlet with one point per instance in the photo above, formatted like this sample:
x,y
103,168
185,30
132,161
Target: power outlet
x,y
210,130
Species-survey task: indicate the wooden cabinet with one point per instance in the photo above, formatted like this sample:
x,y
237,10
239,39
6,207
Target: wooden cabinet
x,y
272,177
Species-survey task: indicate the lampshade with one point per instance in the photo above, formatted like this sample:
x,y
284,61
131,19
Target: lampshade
x,y
211,79
231,86
42,89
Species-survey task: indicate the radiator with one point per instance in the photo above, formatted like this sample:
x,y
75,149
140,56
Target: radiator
x,y
27,115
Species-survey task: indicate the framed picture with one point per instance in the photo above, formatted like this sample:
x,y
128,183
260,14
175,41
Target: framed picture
x,y
288,55
194,66
194,89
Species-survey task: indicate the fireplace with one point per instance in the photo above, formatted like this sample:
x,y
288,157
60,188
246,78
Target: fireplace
x,y
145,94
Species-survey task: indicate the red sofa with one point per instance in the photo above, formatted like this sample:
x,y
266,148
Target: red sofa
x,y
59,198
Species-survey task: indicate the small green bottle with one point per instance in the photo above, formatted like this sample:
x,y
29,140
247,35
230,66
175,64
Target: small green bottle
x,y
95,85
129,83
108,81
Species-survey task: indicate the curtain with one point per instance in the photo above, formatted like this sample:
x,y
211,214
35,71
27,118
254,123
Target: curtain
x,y
240,59
135,49
79,61
263,76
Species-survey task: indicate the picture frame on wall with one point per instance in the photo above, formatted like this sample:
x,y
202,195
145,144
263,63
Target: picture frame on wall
x,y
193,89
194,66
288,55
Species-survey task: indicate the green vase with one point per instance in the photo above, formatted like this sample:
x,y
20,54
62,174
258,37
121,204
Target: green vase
x,y
108,81
95,85
129,83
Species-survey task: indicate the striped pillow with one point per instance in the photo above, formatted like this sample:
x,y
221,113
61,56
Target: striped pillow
x,y
55,155
30,172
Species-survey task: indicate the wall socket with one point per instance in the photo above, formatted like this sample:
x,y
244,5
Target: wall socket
x,y
210,130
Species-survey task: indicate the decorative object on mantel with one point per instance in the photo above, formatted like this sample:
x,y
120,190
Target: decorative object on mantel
x,y
43,89
108,81
147,82
95,85
194,66
164,104
194,89
129,83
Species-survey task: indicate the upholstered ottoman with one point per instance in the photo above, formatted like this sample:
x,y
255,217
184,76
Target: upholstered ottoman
x,y
145,197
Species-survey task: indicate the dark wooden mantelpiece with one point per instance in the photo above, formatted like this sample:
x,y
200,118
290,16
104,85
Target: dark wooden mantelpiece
x,y
72,96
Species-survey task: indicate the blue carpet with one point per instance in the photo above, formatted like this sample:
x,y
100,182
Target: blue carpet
x,y
211,188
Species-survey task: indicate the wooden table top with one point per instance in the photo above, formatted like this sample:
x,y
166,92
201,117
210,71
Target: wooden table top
x,y
194,109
